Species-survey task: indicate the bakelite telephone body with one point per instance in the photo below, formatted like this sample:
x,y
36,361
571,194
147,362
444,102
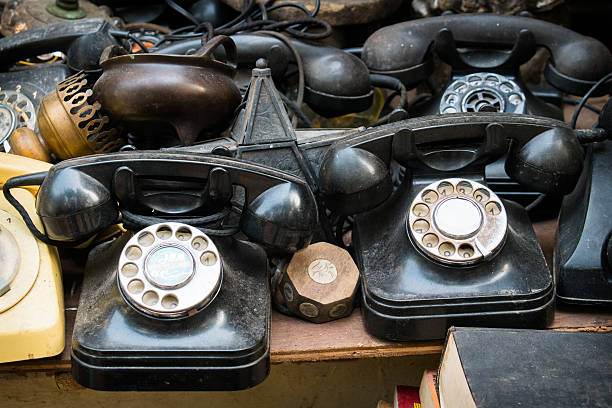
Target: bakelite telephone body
x,y
479,45
31,294
583,252
168,305
444,249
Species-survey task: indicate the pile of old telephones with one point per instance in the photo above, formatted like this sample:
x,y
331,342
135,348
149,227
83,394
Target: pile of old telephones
x,y
181,173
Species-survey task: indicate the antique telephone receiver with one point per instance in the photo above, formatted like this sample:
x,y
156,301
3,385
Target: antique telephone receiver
x,y
180,303
444,249
583,251
485,52
336,82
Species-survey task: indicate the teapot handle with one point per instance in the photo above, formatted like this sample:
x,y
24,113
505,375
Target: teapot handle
x,y
228,44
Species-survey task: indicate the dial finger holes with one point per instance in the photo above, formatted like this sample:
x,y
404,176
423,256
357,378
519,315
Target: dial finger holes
x,y
481,195
429,196
208,258
460,86
515,99
465,251
183,234
129,270
430,240
420,210
163,232
446,249
420,226
133,253
474,80
493,208
169,301
146,239
136,286
464,187
199,243
150,298
445,188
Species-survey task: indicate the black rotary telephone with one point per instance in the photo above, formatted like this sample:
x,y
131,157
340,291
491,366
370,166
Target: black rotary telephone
x,y
181,301
583,251
444,249
485,52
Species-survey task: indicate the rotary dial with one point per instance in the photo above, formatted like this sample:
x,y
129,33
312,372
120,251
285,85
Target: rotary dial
x,y
483,92
457,221
169,270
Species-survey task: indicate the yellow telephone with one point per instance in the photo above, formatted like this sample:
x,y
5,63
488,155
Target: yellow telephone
x,y
31,294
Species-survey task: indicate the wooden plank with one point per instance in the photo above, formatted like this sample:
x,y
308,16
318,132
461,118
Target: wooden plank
x,y
297,340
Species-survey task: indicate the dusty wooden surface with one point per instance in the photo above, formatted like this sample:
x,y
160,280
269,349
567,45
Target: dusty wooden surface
x,y
294,340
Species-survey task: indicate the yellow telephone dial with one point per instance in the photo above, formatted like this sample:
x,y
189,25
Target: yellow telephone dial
x,y
31,294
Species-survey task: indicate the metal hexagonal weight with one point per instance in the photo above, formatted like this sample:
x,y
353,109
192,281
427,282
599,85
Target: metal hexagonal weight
x,y
320,283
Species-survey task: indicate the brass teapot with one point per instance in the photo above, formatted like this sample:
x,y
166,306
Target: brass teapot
x,y
193,93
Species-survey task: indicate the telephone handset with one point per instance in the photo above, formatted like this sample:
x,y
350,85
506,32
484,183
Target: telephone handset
x,y
180,292
444,249
485,52
279,210
81,40
31,295
336,82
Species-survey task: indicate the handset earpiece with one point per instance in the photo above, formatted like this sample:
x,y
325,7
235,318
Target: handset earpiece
x,y
282,218
550,163
71,205
353,180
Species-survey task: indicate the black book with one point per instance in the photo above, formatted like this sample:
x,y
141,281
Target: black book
x,y
525,368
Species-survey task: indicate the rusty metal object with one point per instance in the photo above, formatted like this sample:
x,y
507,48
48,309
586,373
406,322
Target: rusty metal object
x,y
22,15
429,8
193,94
335,12
71,124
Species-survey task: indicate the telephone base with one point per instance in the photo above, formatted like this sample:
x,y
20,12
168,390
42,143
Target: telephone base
x,y
226,346
407,296
583,253
428,327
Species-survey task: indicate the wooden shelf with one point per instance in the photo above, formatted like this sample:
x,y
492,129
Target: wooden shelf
x,y
294,340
